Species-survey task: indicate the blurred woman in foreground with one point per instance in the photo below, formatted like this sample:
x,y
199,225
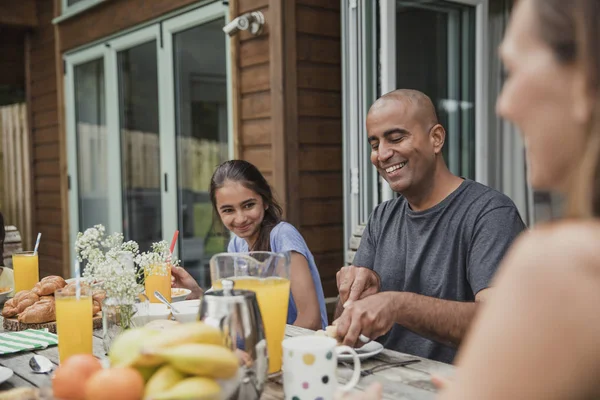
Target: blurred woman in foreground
x,y
538,336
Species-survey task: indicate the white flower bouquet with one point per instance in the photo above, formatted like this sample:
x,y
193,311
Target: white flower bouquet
x,y
109,261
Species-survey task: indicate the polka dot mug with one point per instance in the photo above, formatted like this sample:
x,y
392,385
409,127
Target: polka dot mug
x,y
309,368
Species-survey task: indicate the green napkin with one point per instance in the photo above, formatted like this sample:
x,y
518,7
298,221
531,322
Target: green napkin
x,y
29,339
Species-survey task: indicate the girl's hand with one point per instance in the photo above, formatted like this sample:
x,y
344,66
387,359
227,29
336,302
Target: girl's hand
x,y
180,278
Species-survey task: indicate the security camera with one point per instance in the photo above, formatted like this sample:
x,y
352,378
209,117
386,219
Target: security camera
x,y
253,21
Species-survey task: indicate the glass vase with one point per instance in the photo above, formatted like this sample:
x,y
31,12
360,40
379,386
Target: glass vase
x,y
117,316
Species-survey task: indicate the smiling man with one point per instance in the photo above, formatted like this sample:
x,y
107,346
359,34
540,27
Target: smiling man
x,y
427,257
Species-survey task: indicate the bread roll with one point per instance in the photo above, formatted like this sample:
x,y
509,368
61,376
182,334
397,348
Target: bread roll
x,y
40,312
19,303
49,285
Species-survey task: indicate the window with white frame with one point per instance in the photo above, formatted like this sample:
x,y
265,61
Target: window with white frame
x,y
446,49
147,123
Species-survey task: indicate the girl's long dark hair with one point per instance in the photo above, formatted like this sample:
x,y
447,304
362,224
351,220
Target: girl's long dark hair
x,y
250,177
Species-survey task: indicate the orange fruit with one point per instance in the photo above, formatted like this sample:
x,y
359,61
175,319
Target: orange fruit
x,y
84,362
70,377
115,384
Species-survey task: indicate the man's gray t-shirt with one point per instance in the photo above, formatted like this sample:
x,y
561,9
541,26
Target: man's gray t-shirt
x,y
450,251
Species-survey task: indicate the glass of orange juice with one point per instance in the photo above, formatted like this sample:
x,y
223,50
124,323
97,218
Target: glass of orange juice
x,y
74,321
158,277
268,275
26,270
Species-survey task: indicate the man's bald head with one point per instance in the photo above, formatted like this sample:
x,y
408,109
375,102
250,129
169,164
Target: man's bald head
x,y
413,101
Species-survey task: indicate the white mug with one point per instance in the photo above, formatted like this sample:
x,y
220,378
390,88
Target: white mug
x,y
309,368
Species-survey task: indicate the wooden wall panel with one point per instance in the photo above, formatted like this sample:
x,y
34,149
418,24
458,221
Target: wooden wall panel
x,y
49,209
255,79
319,77
256,105
321,185
261,157
319,101
18,13
289,119
111,17
253,51
320,130
319,50
256,132
313,103
12,49
318,21
252,5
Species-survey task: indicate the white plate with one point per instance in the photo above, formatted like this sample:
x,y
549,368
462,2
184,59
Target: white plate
x,y
5,374
181,297
188,311
367,351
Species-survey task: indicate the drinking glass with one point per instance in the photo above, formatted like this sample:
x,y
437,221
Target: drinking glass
x,y
158,277
268,275
74,321
26,271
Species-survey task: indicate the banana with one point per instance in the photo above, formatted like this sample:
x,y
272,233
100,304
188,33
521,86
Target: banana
x,y
162,380
196,388
147,372
126,348
197,332
201,359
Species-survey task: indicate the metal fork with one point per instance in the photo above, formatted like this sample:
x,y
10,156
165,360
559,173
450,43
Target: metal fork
x,y
381,367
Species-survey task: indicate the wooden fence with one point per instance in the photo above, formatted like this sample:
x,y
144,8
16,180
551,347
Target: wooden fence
x,y
198,159
16,152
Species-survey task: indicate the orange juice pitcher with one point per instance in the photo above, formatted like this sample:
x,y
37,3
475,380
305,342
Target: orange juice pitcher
x,y
268,275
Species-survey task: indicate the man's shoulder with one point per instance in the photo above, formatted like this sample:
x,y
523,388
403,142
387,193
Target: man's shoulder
x,y
486,197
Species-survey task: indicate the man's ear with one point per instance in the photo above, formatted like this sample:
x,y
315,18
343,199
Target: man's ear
x,y
437,136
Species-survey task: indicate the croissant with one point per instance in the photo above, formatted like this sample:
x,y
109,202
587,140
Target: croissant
x,y
9,309
71,288
96,307
40,312
49,285
19,303
99,297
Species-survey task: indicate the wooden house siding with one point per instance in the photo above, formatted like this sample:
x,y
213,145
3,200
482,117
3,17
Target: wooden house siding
x,y
319,78
12,48
49,178
286,119
288,82
252,91
111,17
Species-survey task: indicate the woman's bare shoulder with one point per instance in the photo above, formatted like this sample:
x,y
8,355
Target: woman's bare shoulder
x,y
573,244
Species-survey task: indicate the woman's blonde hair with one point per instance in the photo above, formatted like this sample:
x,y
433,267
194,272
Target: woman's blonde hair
x,y
572,29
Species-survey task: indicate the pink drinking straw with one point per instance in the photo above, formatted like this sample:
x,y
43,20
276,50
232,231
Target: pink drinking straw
x,y
173,242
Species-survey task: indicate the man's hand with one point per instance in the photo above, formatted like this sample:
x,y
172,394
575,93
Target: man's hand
x,y
372,316
180,278
355,283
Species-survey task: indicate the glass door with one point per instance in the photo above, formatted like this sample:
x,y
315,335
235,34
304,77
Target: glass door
x,y
88,142
135,60
147,123
431,46
199,85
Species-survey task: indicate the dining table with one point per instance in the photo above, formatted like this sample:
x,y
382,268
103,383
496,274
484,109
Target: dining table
x,y
409,382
